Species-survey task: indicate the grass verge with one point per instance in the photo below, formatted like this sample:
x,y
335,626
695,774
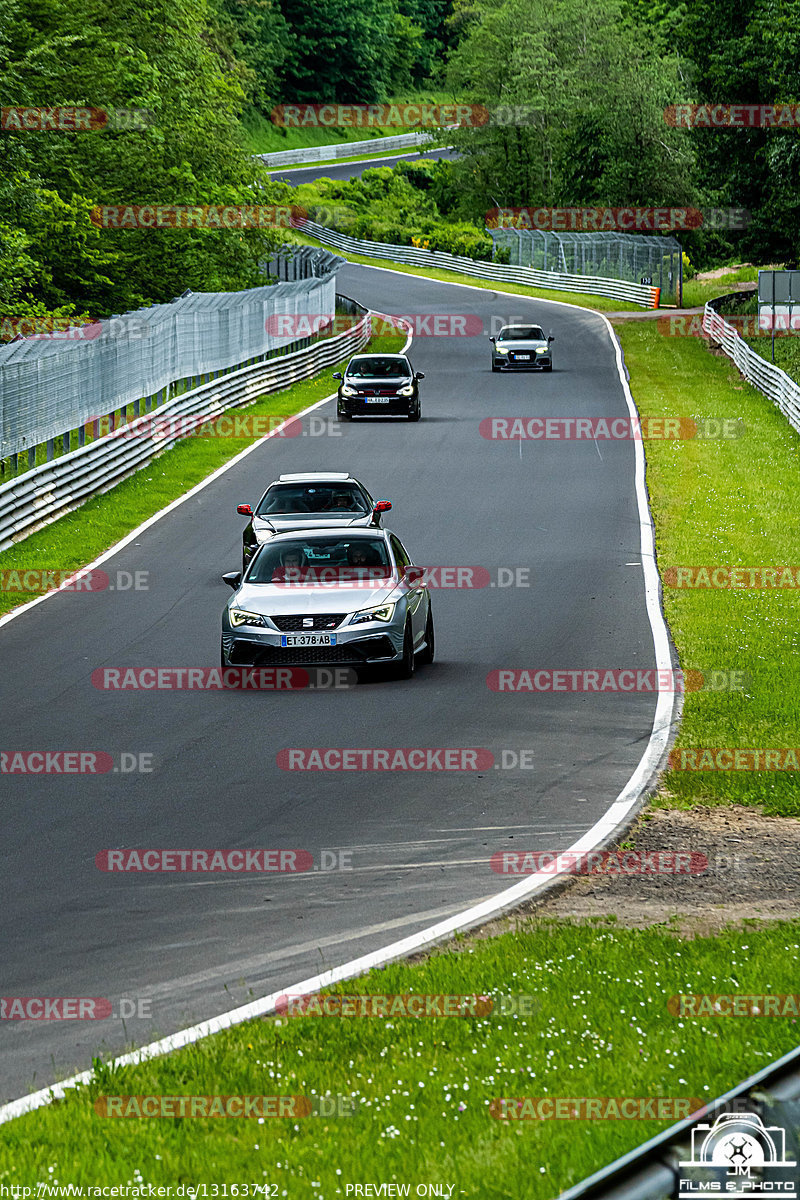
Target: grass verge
x,y
600,1027
78,538
724,502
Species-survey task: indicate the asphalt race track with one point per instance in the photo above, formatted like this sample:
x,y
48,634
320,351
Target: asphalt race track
x,y
195,945
333,170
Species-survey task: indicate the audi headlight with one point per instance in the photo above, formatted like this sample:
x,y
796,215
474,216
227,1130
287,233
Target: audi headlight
x,y
240,616
541,349
347,390
384,612
501,349
408,390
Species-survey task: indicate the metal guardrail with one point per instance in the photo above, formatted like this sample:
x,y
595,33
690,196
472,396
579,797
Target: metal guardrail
x,y
617,289
768,378
313,154
652,1171
55,488
51,385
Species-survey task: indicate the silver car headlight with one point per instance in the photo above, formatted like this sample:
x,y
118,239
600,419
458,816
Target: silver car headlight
x,y
408,390
347,390
384,612
541,350
240,616
501,349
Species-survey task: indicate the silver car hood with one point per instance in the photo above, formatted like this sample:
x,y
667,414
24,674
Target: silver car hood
x,y
289,599
526,344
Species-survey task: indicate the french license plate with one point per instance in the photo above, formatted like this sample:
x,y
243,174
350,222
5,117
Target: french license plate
x,y
377,399
522,357
308,639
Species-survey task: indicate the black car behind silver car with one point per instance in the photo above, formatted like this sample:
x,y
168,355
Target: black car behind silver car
x,y
379,385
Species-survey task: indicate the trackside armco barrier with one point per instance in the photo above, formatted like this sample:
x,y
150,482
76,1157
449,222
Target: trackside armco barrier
x,y
617,289
47,492
53,384
314,154
768,378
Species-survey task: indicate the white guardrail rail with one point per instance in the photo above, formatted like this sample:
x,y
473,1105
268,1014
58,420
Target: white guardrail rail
x,y
55,488
314,154
768,378
616,289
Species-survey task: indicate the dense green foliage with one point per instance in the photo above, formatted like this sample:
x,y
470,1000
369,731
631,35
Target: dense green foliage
x,y
404,205
173,61
592,83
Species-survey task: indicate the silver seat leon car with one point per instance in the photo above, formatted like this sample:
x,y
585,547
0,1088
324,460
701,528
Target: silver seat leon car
x,y
328,596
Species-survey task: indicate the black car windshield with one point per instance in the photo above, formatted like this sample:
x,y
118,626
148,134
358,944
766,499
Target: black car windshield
x,y
521,333
378,368
295,499
321,560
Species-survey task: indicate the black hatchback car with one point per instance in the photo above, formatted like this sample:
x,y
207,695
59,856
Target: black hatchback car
x,y
379,385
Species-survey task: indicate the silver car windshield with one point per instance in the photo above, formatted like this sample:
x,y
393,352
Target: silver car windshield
x,y
378,368
284,500
521,333
320,560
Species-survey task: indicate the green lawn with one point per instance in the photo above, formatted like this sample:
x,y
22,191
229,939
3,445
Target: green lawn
x,y
725,502
421,1088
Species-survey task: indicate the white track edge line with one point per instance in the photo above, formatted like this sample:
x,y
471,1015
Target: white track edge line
x,y
601,831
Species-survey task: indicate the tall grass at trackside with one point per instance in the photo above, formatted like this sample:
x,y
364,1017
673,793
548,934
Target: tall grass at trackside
x,y
75,540
601,1027
700,291
724,503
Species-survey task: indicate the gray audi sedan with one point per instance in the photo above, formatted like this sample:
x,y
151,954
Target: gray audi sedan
x,y
329,596
522,346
